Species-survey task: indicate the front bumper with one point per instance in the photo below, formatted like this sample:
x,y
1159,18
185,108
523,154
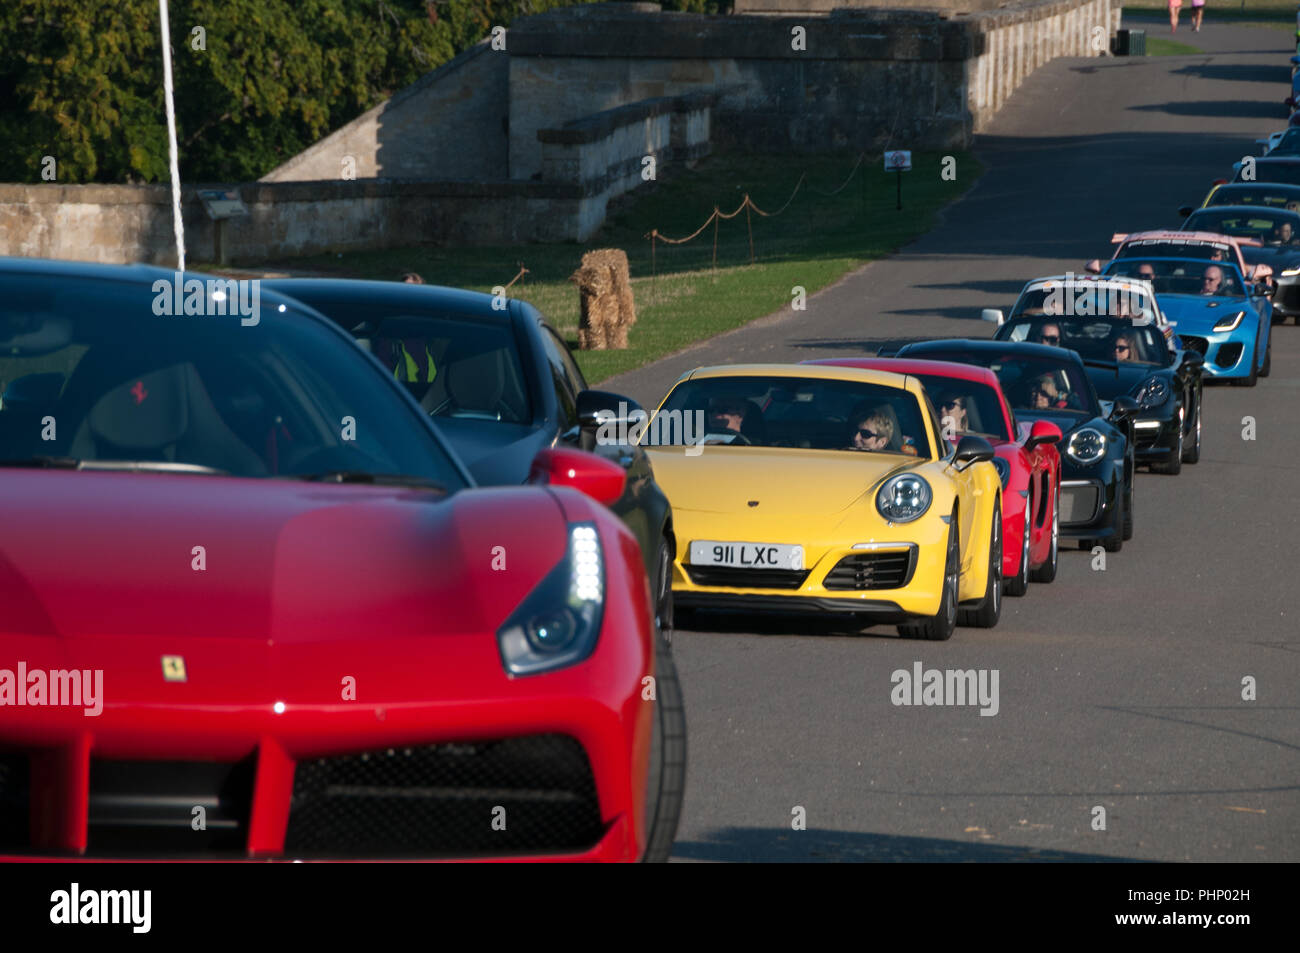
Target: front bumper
x,y
844,575
1286,298
1089,508
1156,438
1227,354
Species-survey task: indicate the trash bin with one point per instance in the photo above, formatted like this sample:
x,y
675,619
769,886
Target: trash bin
x,y
1131,43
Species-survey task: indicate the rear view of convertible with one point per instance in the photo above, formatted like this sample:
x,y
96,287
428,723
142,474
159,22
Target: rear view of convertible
x,y
251,605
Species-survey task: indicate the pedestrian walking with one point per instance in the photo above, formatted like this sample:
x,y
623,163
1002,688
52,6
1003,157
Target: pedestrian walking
x,y
1198,11
1175,6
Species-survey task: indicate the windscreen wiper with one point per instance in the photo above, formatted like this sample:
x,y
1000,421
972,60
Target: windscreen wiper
x,y
364,476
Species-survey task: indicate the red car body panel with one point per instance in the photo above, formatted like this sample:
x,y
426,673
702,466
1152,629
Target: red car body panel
x,y
303,585
1035,478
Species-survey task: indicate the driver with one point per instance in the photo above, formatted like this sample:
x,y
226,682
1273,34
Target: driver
x,y
1050,334
872,431
1124,348
1212,280
1043,395
1282,234
726,414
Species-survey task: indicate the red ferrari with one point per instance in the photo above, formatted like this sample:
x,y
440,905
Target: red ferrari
x,y
252,606
969,399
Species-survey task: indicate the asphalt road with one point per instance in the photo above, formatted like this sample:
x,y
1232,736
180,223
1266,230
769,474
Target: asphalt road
x,y
1119,688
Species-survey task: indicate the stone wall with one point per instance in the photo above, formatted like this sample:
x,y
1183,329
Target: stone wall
x,y
450,124
588,162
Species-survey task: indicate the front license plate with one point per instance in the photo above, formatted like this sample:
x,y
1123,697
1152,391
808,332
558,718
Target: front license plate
x,y
746,555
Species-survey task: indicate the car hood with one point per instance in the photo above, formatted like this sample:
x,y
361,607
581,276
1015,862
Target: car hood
x,y
1197,314
783,481
1068,423
1111,383
1276,257
263,586
496,454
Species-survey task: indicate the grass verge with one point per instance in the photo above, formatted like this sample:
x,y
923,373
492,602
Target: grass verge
x,y
681,297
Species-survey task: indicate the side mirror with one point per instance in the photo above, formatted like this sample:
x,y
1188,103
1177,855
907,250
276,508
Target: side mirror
x,y
1043,431
1123,408
1093,267
994,315
972,449
33,391
1193,358
595,476
1184,211
599,407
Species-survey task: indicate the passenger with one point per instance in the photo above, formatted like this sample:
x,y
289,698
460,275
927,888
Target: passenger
x,y
953,413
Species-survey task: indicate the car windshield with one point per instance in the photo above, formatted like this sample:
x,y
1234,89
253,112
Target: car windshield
x,y
1038,385
1184,276
1091,299
92,375
1265,171
810,413
1176,248
966,406
1288,145
1271,226
1094,340
454,365
1273,196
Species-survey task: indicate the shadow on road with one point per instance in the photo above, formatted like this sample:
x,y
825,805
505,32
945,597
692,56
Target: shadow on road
x,y
774,844
1241,109
1240,72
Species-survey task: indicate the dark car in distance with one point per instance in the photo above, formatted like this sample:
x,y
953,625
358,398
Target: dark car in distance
x,y
501,385
1097,451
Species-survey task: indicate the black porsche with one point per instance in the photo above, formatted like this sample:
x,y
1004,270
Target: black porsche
x,y
1043,382
1124,356
1279,231
501,385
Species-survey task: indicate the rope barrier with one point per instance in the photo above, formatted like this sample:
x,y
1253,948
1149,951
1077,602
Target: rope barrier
x,y
746,205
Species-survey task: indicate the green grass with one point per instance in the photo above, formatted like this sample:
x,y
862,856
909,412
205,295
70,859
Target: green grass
x,y
811,244
1161,47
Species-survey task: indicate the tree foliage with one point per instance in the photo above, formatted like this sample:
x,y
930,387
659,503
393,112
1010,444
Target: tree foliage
x,y
81,80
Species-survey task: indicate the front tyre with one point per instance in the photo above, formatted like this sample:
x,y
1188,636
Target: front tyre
x,y
1019,584
990,610
940,626
666,777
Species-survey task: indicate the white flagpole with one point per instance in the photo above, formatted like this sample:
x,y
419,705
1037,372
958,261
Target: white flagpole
x,y
177,224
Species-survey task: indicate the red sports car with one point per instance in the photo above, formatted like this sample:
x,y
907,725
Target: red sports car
x,y
251,606
969,399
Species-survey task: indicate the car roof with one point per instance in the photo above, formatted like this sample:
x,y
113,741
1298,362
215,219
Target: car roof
x,y
1018,348
1169,235
914,366
456,302
1071,280
1268,186
1245,210
813,371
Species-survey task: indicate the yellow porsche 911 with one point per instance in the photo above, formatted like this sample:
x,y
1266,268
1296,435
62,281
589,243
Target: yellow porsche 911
x,y
806,488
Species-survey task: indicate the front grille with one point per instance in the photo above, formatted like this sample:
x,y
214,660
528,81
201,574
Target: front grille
x,y
1196,344
153,807
865,571
1079,504
746,578
1146,439
15,812
1288,295
520,795
1228,355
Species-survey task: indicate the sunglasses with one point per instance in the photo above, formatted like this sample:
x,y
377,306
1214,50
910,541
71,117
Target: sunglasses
x,y
1050,338
1121,348
866,434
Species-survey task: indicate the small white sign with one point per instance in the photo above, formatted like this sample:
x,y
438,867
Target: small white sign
x,y
899,160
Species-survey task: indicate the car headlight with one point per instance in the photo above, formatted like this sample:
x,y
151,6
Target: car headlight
x,y
1004,470
558,623
1152,392
1290,272
1086,446
1230,322
904,498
